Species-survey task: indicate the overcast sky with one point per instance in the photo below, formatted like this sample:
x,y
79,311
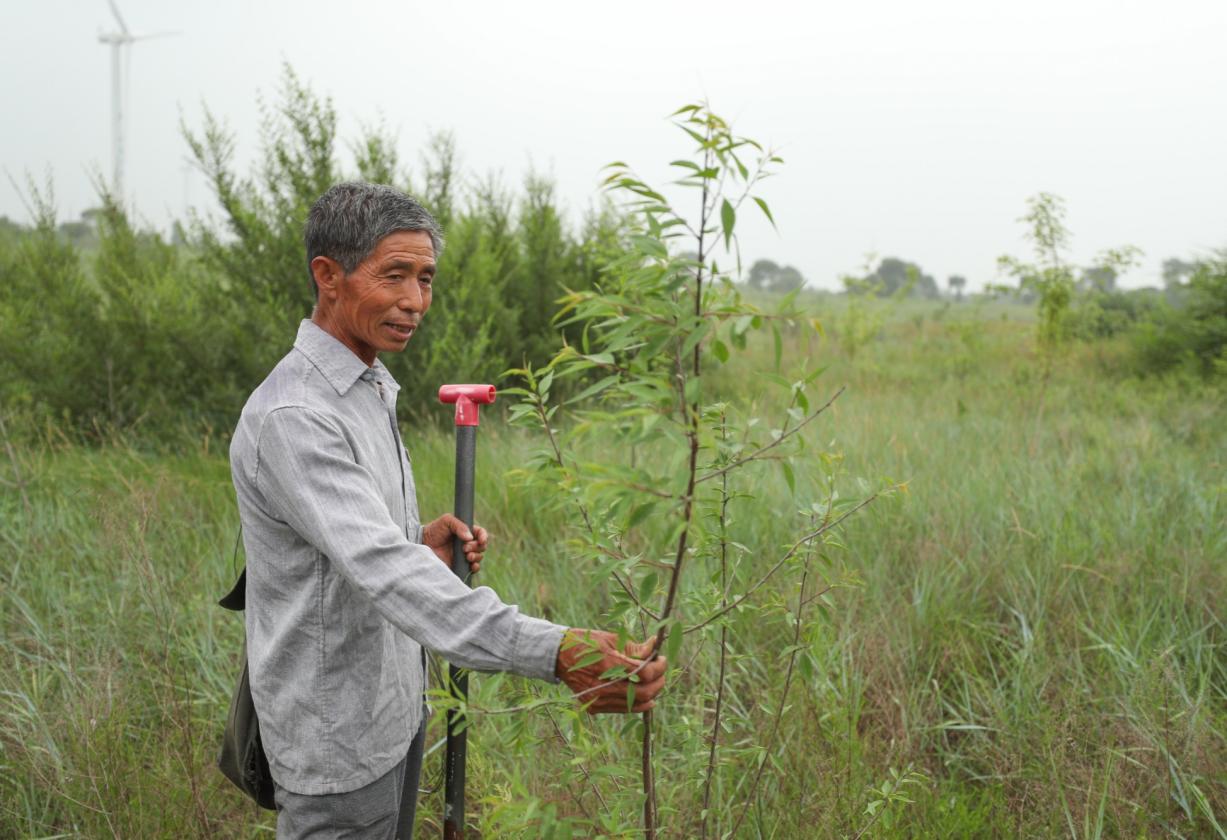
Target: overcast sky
x,y
909,129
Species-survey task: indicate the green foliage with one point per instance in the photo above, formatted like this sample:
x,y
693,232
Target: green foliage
x,y
652,466
115,327
260,248
44,297
1036,657
1054,282
887,796
131,335
1050,278
1054,667
1100,314
1193,333
867,307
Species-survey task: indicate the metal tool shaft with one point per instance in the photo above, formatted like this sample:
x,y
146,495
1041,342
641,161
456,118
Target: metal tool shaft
x,y
453,808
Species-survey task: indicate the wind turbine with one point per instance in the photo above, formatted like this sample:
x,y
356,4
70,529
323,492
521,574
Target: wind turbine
x,y
121,63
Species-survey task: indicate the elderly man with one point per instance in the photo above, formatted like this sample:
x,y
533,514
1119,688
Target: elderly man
x,y
344,586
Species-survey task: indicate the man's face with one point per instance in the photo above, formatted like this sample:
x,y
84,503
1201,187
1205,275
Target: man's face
x,y
378,306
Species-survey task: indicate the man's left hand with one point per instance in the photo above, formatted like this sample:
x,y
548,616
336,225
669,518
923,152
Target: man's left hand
x,y
437,536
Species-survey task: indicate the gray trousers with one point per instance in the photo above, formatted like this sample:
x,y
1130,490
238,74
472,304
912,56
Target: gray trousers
x,y
382,810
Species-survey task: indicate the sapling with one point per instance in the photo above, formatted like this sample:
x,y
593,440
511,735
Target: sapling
x,y
1053,280
653,463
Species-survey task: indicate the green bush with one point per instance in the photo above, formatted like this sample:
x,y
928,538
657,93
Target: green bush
x,y
135,334
1104,314
120,328
51,340
1192,333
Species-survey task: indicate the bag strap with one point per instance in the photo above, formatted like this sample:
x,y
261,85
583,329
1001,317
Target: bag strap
x,y
236,598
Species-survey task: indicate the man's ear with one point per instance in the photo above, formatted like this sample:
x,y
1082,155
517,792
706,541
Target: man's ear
x,y
327,273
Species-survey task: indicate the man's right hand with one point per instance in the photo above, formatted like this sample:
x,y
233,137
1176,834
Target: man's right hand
x,y
585,660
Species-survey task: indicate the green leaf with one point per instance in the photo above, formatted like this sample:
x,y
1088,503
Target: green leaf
x,y
630,696
762,205
586,660
647,586
696,136
650,246
592,390
617,672
673,643
640,513
695,337
789,477
693,389
720,350
728,218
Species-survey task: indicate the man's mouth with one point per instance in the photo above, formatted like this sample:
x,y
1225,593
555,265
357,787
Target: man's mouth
x,y
401,330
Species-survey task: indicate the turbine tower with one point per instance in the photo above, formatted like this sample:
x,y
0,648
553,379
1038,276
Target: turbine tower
x,y
120,66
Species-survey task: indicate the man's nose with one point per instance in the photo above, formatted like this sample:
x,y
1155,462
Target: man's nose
x,y
411,299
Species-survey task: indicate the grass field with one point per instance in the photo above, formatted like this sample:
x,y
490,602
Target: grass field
x,y
1038,630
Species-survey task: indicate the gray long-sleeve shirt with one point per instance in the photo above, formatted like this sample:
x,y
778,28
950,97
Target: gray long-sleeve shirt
x,y
339,591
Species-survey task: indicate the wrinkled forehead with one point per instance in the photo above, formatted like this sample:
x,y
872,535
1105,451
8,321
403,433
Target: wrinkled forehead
x,y
410,246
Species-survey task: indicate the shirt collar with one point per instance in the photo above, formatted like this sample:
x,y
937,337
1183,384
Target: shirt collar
x,y
336,362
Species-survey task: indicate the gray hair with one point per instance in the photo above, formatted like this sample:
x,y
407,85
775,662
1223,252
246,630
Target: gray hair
x,y
347,222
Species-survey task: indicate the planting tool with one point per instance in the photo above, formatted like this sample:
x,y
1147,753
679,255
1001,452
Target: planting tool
x,y
468,400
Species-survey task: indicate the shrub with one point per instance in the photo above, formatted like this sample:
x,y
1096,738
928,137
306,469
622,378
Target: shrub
x,y
1102,314
46,297
1193,333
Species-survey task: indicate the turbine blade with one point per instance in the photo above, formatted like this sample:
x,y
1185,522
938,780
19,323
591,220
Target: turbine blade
x,y
145,36
118,17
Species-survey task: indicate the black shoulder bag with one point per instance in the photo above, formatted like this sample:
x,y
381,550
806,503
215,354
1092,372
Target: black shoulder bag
x,y
242,758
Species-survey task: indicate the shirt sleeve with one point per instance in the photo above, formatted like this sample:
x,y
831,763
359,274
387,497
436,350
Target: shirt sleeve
x,y
307,473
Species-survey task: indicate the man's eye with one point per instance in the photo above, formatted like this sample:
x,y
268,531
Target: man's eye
x,y
427,280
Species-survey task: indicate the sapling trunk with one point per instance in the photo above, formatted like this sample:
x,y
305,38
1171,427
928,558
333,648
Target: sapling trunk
x,y
692,435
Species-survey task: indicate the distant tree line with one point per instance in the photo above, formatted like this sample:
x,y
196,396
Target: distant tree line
x,y
770,276
106,325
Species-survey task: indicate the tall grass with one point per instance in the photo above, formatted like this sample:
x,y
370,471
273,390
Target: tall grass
x,y
1038,627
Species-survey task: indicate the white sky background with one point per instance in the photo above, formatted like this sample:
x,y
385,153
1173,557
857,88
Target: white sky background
x,y
909,129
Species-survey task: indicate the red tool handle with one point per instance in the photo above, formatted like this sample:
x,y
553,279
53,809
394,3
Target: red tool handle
x,y
468,399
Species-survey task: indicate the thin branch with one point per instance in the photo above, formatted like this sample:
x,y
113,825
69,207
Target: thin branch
x,y
626,587
893,790
724,649
779,712
643,488
580,764
583,509
783,436
813,535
